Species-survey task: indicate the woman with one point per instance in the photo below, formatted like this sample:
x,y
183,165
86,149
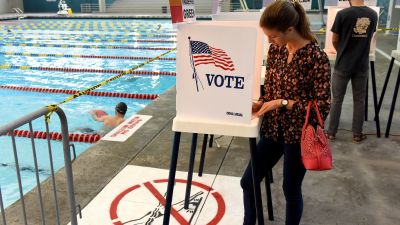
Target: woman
x,y
297,71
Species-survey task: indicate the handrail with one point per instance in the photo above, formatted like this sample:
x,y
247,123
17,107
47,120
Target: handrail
x,y
27,119
18,10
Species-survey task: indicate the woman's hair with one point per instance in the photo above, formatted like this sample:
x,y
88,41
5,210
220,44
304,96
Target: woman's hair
x,y
283,14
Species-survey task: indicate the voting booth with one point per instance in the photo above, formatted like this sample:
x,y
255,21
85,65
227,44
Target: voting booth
x,y
217,79
395,57
218,67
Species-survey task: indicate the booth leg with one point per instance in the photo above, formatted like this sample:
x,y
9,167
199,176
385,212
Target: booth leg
x,y
203,154
269,195
377,122
366,101
385,84
393,106
171,177
257,190
210,144
190,170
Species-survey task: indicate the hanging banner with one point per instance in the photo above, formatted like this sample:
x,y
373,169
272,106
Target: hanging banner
x,y
216,7
218,71
182,11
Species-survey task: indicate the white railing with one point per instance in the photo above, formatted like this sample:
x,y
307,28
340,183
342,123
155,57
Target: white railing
x,y
143,7
18,10
89,8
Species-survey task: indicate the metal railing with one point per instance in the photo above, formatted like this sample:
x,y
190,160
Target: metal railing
x,y
8,129
89,8
17,10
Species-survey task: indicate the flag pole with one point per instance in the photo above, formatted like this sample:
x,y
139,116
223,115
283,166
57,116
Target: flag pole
x,y
194,76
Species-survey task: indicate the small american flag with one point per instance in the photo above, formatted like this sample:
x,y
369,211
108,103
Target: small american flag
x,y
205,54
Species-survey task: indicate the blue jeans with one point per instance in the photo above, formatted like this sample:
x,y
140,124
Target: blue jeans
x,y
268,154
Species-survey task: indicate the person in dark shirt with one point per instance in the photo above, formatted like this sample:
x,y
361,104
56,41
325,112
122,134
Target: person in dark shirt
x,y
298,71
352,30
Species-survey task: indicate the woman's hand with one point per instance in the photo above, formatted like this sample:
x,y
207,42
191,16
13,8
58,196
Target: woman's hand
x,y
256,106
266,107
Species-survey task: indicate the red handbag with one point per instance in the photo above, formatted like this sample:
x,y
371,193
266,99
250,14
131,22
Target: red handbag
x,y
315,151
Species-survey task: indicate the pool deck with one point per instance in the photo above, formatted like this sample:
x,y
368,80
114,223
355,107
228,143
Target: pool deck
x,y
363,188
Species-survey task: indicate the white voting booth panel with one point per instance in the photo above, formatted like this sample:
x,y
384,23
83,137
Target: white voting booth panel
x,y
329,49
216,98
246,16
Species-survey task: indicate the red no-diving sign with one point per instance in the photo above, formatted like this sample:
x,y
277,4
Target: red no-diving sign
x,y
177,210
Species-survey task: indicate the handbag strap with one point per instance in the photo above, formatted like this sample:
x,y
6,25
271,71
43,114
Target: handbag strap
x,y
318,114
308,114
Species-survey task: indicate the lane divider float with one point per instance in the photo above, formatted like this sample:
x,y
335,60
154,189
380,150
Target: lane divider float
x,y
151,73
92,93
86,46
65,35
92,40
81,56
87,138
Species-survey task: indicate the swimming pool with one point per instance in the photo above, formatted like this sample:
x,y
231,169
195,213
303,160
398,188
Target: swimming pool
x,y
29,50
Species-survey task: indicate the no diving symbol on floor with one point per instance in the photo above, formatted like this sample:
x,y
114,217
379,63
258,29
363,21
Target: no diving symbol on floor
x,y
125,208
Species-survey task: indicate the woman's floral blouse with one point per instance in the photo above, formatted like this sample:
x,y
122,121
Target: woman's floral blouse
x,y
306,77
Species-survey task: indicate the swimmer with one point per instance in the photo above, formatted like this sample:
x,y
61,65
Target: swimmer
x,y
112,121
109,122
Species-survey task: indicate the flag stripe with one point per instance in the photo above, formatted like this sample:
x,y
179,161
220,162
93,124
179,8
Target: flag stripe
x,y
205,54
216,62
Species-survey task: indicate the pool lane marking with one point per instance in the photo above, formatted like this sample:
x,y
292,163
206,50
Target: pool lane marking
x,y
81,56
92,93
64,35
87,70
86,46
91,40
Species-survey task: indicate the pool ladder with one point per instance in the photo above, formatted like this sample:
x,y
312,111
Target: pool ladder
x,y
19,12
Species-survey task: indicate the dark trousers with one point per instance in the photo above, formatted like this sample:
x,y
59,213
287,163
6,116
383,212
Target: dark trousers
x,y
339,87
268,154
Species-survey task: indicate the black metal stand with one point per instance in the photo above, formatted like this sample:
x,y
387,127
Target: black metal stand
x,y
210,144
393,106
203,154
190,170
395,93
171,177
366,102
375,98
172,173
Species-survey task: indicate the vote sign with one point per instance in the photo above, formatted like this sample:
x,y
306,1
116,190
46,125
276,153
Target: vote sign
x,y
218,66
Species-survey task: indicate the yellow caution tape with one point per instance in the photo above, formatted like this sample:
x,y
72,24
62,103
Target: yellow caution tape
x,y
53,108
323,30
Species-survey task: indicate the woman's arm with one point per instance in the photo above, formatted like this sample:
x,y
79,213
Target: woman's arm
x,y
320,76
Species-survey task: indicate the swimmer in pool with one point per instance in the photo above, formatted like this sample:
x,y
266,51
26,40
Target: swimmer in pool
x,y
109,122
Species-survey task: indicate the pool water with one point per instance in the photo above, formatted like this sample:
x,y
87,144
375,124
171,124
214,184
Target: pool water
x,y
14,104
